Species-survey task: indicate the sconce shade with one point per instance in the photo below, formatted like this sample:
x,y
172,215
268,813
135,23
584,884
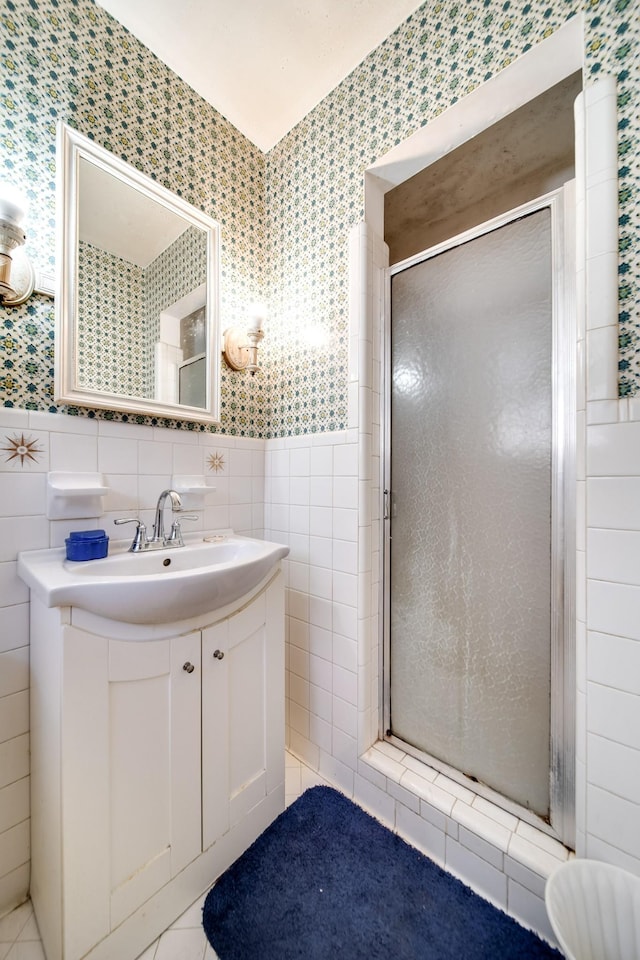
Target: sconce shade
x,y
13,204
257,316
22,280
17,276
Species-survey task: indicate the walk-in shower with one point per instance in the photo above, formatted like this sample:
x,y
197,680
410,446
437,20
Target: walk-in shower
x,y
478,557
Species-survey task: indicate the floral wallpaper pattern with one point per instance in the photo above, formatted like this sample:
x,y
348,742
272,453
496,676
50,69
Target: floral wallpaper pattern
x,y
178,270
119,307
315,174
110,304
69,60
285,216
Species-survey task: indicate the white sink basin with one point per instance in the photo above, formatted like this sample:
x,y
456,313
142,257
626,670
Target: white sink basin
x,y
159,586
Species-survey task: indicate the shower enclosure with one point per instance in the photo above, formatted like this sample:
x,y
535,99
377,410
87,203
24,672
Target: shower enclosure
x,y
478,561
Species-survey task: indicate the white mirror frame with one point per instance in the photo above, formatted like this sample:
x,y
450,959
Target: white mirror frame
x,y
71,147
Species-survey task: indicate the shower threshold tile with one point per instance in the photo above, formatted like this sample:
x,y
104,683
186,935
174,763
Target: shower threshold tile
x,y
384,764
390,750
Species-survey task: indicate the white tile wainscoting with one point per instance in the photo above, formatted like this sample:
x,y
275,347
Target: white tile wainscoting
x,y
137,463
319,502
608,655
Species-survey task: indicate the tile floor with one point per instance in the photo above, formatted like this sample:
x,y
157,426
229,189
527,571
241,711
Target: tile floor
x,y
184,940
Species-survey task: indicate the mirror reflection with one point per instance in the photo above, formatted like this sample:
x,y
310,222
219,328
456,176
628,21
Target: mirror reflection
x,y
138,318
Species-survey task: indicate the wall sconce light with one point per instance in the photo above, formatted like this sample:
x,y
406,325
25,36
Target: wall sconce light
x,y
17,276
240,347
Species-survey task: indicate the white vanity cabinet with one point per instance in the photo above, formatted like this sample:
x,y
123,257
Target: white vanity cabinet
x,y
157,758
242,700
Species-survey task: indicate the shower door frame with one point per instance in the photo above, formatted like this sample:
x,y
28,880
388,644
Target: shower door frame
x,y
561,204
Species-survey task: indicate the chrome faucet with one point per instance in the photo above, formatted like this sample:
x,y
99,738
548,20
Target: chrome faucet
x,y
158,523
159,538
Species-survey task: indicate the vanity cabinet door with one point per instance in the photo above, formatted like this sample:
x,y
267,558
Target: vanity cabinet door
x,y
242,711
131,764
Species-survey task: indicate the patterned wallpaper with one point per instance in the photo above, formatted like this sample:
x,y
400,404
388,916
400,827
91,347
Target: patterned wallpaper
x,y
119,311
285,217
172,275
315,174
67,59
110,305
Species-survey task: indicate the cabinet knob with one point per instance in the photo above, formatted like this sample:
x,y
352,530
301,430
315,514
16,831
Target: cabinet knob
x,y
189,667
218,654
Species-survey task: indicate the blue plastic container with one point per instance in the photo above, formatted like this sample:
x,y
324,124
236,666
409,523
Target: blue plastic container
x,y
87,545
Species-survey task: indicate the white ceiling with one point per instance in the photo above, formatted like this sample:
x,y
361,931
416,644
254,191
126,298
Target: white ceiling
x,y
263,64
117,217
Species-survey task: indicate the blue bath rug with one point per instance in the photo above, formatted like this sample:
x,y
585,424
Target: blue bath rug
x,y
327,881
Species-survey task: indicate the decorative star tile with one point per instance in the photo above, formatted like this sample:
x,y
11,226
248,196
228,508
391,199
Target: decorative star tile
x,y
216,462
22,448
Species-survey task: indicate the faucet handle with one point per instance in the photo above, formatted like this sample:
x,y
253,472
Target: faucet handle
x,y
139,537
175,536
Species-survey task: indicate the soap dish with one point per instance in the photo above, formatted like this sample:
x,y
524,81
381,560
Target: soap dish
x,y
87,545
74,496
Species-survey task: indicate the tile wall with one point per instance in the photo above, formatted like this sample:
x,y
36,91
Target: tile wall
x,y
608,474
609,664
312,504
137,463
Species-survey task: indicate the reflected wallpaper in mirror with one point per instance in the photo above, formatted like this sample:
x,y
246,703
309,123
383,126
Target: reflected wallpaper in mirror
x,y
137,310
135,290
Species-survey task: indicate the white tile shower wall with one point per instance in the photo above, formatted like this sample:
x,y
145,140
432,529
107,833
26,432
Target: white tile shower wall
x,y
138,462
611,692
322,579
369,256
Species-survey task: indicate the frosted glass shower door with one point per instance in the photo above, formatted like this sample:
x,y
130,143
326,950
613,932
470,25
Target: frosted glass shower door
x,y
471,479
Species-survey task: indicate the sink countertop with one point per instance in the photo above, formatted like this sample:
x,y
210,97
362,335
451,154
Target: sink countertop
x,y
154,586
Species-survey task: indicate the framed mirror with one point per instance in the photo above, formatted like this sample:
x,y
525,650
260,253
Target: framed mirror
x,y
137,311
